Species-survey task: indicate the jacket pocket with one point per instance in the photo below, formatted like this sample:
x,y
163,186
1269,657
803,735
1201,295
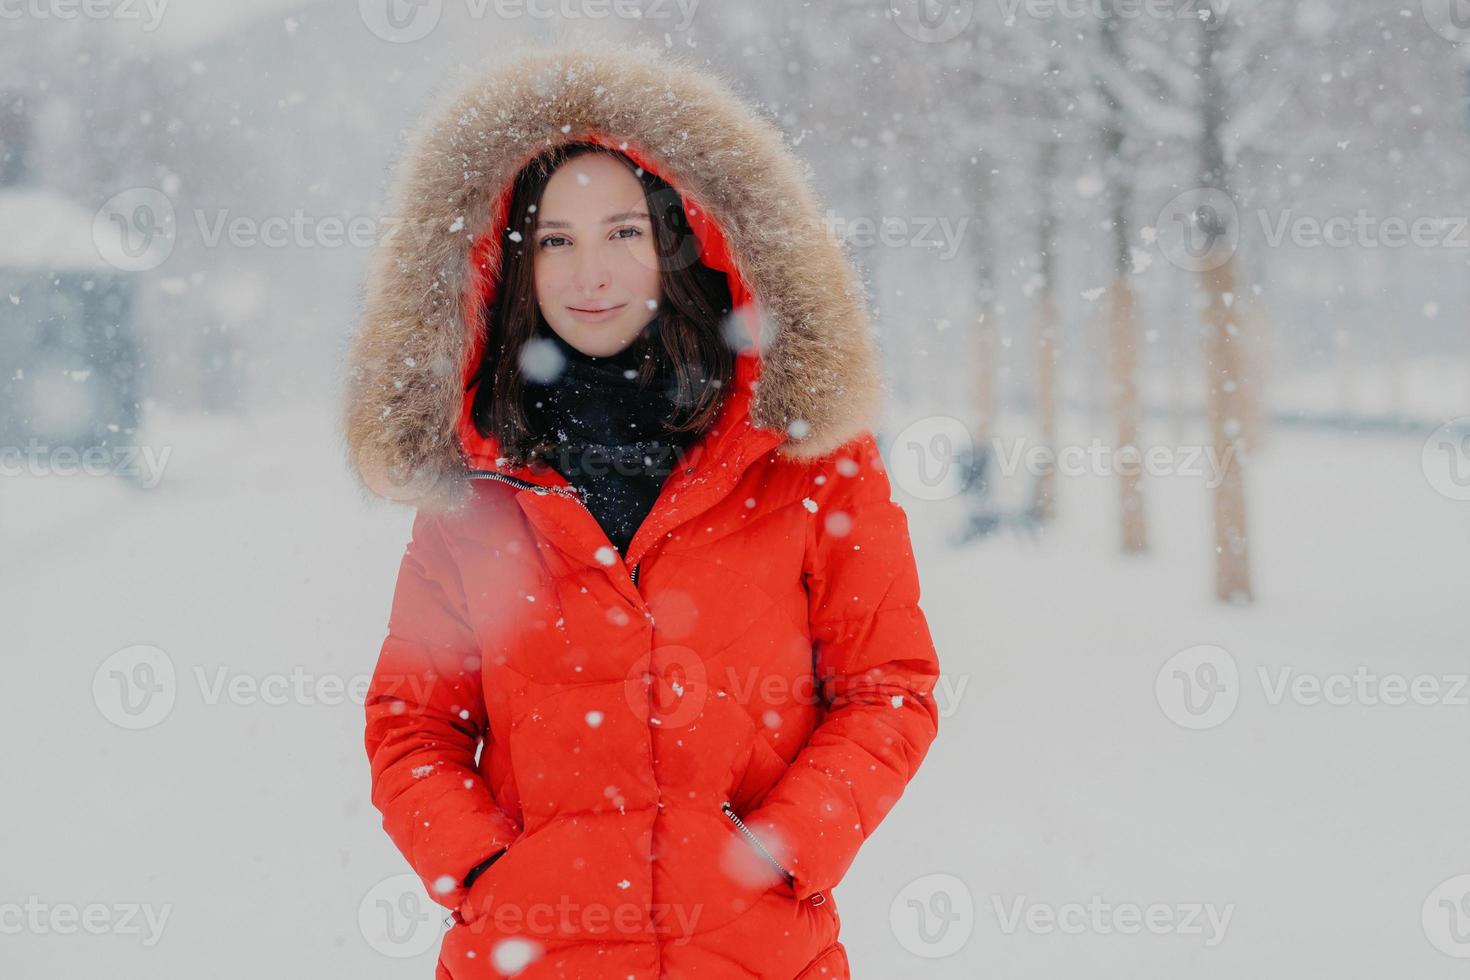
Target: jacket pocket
x,y
755,842
476,899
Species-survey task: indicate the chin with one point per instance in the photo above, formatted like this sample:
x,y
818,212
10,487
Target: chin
x,y
601,340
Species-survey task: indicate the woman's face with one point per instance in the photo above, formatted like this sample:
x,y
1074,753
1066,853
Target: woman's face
x,y
594,260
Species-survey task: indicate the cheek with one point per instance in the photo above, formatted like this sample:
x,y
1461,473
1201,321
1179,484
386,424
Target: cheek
x,y
545,276
550,278
639,271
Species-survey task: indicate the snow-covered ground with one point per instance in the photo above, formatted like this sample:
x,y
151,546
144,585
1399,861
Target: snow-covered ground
x,y
1286,840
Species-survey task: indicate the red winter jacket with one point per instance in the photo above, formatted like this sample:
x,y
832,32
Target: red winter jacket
x,y
681,750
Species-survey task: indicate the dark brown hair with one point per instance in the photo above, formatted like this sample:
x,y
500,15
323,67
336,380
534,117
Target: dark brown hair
x,y
693,343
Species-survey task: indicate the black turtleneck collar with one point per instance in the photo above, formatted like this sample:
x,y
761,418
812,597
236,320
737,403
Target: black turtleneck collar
x,y
610,437
598,400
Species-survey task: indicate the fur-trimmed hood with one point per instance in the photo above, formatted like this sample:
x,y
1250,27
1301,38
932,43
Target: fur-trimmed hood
x,y
420,335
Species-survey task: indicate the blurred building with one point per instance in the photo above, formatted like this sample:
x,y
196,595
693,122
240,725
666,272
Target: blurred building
x,y
70,364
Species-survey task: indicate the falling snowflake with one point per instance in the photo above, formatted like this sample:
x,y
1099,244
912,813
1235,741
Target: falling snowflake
x,y
513,955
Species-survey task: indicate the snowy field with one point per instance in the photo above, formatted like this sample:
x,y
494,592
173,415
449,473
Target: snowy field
x,y
232,836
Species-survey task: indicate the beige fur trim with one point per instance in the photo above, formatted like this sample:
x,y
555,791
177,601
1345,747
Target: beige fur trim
x,y
403,390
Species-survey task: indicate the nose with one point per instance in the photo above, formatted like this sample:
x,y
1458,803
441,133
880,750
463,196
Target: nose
x,y
590,275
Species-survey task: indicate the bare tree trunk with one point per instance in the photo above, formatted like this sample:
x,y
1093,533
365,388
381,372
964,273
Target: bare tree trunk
x,y
1223,364
1044,504
1123,335
1185,320
1123,345
1261,352
1224,358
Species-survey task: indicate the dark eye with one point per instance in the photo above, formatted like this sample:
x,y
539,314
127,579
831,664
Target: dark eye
x,y
546,242
636,231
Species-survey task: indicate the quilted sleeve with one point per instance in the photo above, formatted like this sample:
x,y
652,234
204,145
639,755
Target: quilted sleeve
x,y
425,719
876,668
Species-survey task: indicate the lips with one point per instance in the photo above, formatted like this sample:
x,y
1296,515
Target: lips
x,y
603,314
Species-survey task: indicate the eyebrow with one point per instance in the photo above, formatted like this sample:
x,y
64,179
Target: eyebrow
x,y
620,216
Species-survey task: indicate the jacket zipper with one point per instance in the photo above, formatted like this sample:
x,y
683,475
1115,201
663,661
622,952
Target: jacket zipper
x,y
536,488
756,843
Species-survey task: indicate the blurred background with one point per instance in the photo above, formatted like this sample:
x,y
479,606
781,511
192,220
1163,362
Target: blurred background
x,y
1174,303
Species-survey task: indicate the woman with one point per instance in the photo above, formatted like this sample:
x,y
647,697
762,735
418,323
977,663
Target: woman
x,y
655,665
